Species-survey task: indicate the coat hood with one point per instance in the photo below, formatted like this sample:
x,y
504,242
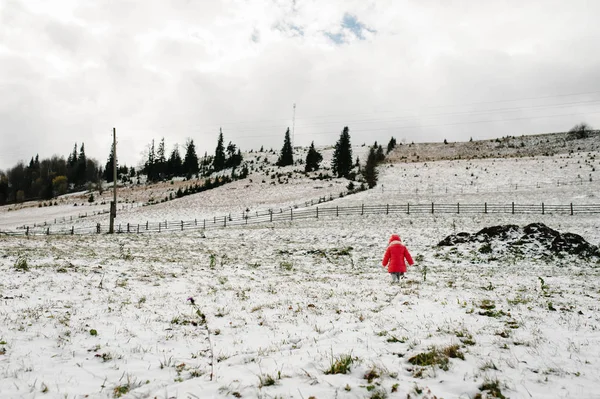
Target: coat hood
x,y
395,237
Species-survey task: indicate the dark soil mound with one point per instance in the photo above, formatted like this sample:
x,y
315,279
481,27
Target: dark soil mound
x,y
535,239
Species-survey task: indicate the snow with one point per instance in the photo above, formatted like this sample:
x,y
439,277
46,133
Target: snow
x,y
282,299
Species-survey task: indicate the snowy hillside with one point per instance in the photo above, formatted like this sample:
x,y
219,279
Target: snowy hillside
x,y
303,309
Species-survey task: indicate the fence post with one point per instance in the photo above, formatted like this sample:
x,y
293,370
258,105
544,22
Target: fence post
x,y
182,225
432,207
513,208
195,222
119,227
362,210
27,232
271,216
337,210
571,209
485,207
408,208
458,207
138,228
317,212
542,208
291,213
48,231
97,228
224,221
146,225
128,227
387,209
215,220
204,226
72,230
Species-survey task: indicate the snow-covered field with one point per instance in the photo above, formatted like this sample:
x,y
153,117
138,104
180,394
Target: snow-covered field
x,y
280,306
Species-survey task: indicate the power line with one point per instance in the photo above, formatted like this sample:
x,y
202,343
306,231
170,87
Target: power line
x,y
417,117
393,128
406,110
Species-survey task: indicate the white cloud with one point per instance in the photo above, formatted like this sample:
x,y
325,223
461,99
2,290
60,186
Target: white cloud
x,y
69,72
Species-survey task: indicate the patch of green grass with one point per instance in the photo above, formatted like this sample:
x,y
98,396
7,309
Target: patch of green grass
x,y
439,357
21,264
266,380
93,332
121,390
393,339
371,374
492,389
288,266
379,394
340,365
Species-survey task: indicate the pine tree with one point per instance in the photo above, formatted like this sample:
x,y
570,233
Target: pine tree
x,y
174,164
370,172
342,155
379,153
391,145
108,169
231,155
190,162
313,159
286,157
161,161
81,167
150,165
219,159
72,166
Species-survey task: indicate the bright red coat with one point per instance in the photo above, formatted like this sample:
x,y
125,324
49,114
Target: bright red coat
x,y
395,255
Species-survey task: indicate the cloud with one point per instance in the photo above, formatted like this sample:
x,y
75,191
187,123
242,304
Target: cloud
x,y
70,71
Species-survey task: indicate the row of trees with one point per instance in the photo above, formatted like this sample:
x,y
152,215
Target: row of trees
x,y
47,178
158,167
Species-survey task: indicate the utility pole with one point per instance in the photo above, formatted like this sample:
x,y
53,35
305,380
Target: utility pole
x,y
293,125
113,204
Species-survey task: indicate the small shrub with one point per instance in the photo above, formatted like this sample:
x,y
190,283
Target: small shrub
x,y
93,332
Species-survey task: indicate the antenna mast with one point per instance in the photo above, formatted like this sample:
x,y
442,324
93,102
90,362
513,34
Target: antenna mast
x,y
293,125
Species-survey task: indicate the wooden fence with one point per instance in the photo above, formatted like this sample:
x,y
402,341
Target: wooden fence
x,y
316,212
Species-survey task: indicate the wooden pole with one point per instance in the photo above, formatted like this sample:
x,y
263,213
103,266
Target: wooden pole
x,y
113,205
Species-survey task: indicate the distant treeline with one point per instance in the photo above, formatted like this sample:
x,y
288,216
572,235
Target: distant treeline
x,y
56,176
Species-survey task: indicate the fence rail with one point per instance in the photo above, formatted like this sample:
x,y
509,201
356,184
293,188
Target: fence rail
x,y
316,212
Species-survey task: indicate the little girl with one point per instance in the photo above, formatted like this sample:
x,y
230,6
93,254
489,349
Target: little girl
x,y
394,257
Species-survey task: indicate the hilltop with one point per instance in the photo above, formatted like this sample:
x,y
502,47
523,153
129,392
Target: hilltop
x,y
506,147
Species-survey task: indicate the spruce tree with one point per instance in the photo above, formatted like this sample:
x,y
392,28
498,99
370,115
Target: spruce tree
x,y
313,159
370,172
82,164
219,159
379,153
108,169
150,165
342,155
190,162
161,161
286,157
391,145
174,164
72,166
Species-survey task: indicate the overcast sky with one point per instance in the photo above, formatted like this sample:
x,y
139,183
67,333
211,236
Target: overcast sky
x,y
71,70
